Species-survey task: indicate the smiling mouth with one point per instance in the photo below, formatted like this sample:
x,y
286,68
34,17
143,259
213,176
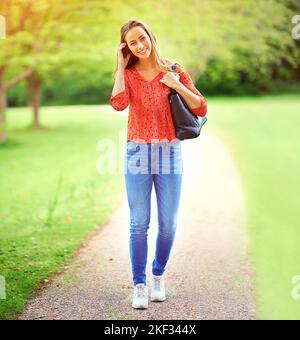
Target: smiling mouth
x,y
143,52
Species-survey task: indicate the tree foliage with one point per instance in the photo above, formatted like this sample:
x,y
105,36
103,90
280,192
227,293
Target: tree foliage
x,y
228,46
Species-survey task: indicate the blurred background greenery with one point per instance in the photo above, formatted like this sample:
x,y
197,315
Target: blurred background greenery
x,y
232,47
241,56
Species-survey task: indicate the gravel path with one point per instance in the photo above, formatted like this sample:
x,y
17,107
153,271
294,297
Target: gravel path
x,y
208,275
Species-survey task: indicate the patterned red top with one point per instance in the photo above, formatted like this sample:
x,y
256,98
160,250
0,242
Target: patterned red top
x,y
150,116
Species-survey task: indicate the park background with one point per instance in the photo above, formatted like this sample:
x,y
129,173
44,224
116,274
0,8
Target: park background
x,y
56,65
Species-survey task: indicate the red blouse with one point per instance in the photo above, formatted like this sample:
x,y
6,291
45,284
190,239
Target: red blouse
x,y
150,116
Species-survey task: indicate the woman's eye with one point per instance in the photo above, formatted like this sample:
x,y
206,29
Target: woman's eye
x,y
141,39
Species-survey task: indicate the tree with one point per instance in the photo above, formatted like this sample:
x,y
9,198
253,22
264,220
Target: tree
x,y
42,38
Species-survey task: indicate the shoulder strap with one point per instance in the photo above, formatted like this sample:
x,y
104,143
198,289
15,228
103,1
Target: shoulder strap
x,y
179,69
173,67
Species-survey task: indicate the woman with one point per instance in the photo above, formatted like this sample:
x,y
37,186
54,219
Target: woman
x,y
143,79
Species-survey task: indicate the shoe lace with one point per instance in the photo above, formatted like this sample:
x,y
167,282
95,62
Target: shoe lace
x,y
157,283
140,291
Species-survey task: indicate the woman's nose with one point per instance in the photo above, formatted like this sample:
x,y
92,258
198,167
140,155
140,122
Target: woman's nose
x,y
140,47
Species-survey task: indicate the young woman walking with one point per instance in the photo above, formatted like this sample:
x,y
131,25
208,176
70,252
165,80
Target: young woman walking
x,y
143,80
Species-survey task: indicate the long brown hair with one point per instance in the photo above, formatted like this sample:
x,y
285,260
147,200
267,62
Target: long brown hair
x,y
161,62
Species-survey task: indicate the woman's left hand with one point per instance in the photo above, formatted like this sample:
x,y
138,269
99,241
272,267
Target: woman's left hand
x,y
171,79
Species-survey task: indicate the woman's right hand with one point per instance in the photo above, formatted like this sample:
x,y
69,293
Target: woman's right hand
x,y
122,62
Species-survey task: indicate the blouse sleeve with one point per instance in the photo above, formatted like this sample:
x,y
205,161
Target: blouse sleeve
x,y
121,100
187,81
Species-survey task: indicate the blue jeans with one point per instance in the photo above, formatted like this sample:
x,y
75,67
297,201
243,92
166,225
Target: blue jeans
x,y
159,163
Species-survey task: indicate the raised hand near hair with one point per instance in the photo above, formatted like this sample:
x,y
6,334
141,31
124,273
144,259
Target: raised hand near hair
x,y
122,62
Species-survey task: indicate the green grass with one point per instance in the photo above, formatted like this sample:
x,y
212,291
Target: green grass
x,y
51,193
263,135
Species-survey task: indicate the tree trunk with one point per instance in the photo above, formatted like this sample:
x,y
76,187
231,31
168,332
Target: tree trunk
x,y
3,104
34,82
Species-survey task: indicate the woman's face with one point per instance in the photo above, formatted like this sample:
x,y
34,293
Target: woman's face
x,y
138,41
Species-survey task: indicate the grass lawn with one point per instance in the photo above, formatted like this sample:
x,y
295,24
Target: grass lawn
x,y
52,196
51,193
263,135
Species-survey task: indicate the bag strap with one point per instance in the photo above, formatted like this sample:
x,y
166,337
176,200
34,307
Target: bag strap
x,y
173,67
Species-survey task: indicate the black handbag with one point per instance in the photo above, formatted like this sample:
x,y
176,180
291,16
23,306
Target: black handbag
x,y
187,124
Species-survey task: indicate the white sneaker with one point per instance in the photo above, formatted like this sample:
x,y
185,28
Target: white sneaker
x,y
158,292
140,296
